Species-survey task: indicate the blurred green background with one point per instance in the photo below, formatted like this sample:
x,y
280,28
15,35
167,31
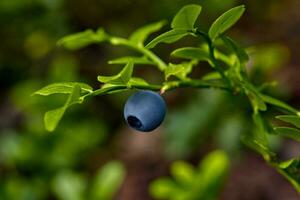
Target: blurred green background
x,y
93,154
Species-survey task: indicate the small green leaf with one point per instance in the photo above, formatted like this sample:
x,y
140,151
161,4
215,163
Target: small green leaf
x,y
288,132
254,144
137,81
186,17
191,53
292,119
167,37
225,21
183,172
136,60
68,185
121,78
63,88
260,131
213,168
239,51
107,181
141,34
211,75
179,70
52,117
82,39
163,188
290,169
108,88
278,103
256,100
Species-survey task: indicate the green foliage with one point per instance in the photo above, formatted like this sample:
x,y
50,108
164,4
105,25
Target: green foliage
x,y
225,21
228,73
140,35
189,182
186,17
63,88
121,78
107,181
80,40
191,53
168,37
52,117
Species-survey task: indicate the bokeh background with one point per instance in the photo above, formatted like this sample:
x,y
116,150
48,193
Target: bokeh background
x,y
93,154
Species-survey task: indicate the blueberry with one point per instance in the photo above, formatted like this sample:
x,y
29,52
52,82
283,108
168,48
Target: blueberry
x,y
145,110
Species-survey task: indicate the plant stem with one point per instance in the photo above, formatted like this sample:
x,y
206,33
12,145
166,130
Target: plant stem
x,y
212,54
121,41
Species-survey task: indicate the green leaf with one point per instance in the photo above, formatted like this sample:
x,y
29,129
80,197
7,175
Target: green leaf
x,y
290,169
179,70
108,181
137,81
167,37
237,49
278,103
191,53
225,21
68,185
260,132
292,119
186,17
82,39
141,34
52,117
136,60
163,188
109,89
252,142
256,99
63,88
288,132
121,78
183,172
213,168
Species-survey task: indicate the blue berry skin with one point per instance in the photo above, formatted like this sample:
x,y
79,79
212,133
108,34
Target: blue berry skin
x,y
145,110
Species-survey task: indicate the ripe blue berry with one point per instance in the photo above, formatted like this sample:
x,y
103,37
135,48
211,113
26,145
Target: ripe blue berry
x,y
145,110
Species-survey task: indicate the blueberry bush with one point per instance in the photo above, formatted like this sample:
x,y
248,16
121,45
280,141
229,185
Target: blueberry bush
x,y
229,73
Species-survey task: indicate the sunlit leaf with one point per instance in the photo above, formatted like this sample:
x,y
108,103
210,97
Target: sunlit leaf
x,y
141,34
292,119
290,169
191,53
136,60
183,172
179,70
137,81
278,103
63,88
121,78
213,168
82,39
186,17
167,37
225,21
163,188
68,185
52,117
